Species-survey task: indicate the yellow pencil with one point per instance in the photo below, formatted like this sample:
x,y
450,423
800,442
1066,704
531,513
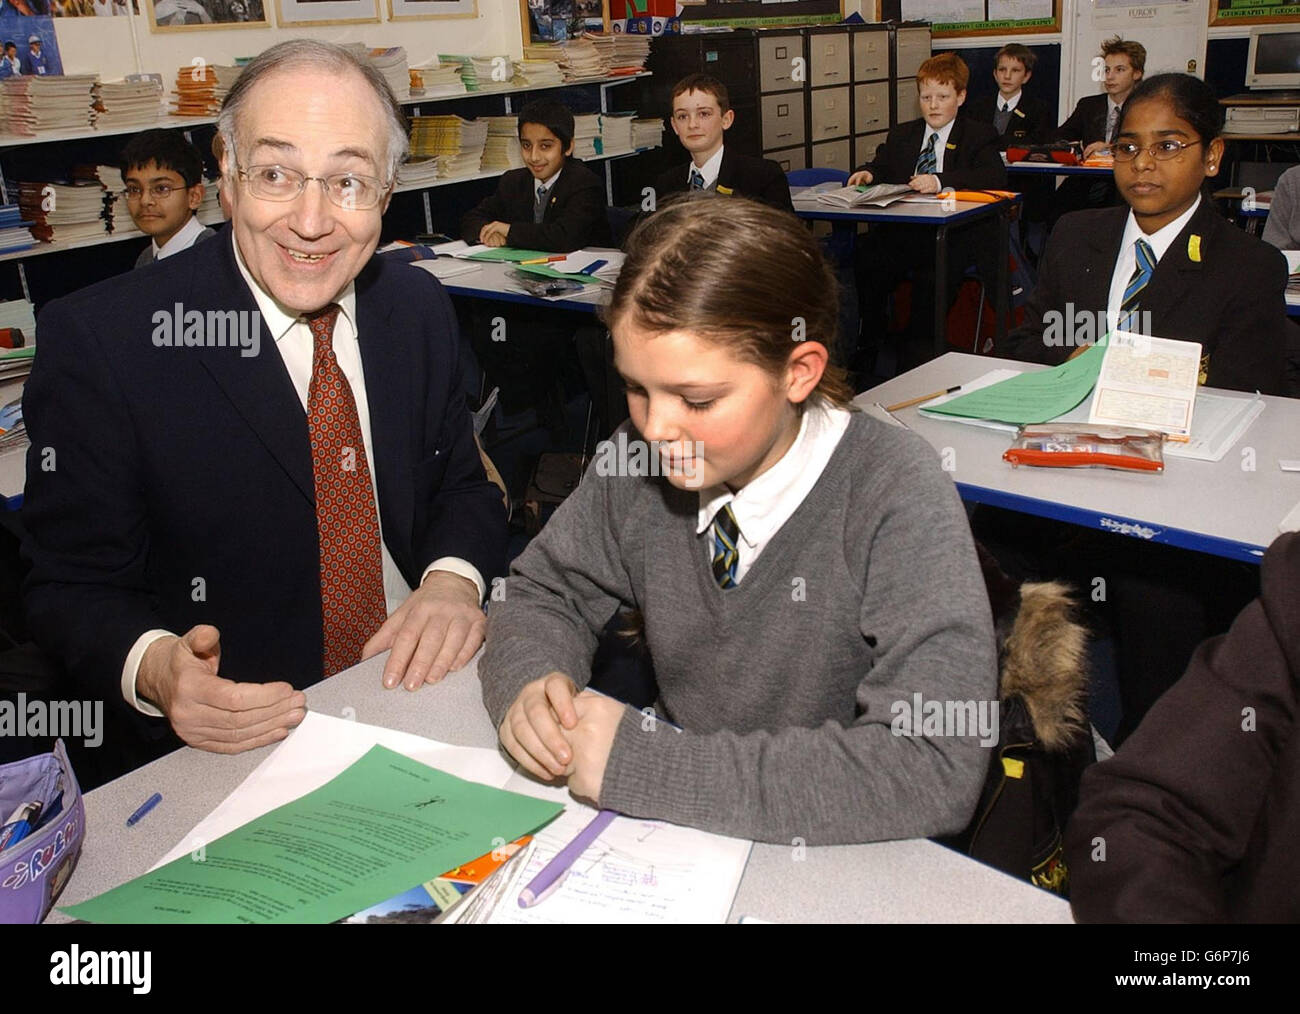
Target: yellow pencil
x,y
925,397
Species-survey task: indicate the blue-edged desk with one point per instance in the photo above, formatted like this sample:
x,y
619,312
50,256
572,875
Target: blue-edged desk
x,y
13,462
491,280
1219,507
1052,169
940,218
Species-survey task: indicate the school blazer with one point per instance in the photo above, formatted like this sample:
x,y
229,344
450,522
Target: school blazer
x,y
760,179
1030,122
972,160
575,214
1224,289
1088,121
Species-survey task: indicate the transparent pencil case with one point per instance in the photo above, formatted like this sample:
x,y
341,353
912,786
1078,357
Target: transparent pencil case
x,y
1084,445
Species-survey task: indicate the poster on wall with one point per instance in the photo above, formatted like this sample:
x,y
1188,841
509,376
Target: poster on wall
x,y
325,12
184,15
84,8
1253,12
29,47
980,17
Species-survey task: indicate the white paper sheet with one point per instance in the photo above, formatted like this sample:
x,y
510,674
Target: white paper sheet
x,y
1147,382
1220,421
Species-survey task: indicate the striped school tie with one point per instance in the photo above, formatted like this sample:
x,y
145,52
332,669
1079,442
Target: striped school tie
x,y
726,534
926,161
1128,307
697,180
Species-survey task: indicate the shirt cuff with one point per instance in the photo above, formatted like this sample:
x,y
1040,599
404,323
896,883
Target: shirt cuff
x,y
131,669
462,568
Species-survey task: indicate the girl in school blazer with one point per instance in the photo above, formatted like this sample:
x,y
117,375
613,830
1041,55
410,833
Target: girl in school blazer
x,y
1211,283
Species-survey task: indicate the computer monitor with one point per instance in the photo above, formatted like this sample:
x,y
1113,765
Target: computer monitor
x,y
1274,57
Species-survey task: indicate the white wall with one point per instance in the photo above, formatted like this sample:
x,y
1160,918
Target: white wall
x,y
105,45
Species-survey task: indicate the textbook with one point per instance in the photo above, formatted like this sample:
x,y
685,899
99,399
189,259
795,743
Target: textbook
x,y
879,195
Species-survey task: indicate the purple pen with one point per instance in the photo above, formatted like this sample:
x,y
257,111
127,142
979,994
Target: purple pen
x,y
553,873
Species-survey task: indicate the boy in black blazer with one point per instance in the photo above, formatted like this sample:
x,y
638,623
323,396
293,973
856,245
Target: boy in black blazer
x,y
1018,117
701,114
555,203
939,151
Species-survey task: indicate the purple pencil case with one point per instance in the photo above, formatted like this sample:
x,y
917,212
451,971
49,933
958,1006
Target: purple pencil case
x,y
34,868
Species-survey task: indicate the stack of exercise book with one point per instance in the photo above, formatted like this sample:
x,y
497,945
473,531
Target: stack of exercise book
x,y
457,143
125,104
578,58
14,232
502,151
538,74
438,79
67,212
31,106
417,172
586,135
616,133
647,132
621,53
391,62
201,88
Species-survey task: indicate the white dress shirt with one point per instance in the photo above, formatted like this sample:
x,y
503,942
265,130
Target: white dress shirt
x,y
709,170
183,240
1011,103
762,507
293,340
940,145
1126,263
548,183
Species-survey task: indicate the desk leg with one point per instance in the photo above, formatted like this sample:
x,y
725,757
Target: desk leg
x,y
1000,301
941,295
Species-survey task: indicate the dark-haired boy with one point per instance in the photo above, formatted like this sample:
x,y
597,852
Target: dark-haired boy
x,y
554,203
1017,116
701,114
164,187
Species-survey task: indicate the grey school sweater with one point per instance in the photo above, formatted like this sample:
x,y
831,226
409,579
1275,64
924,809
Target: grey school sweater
x,y
788,686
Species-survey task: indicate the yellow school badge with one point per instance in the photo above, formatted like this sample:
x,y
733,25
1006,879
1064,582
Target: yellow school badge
x,y
725,191
1194,248
951,147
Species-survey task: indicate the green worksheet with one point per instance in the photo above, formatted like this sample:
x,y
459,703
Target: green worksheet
x,y
1029,398
385,823
509,253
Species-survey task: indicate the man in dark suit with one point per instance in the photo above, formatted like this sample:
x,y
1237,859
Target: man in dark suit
x,y
701,115
939,151
554,203
1018,117
245,459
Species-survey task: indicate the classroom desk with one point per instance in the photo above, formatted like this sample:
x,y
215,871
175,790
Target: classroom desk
x,y
906,881
13,462
1214,507
1052,169
941,219
491,280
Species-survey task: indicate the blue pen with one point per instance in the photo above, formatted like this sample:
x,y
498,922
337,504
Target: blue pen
x,y
145,807
19,824
593,267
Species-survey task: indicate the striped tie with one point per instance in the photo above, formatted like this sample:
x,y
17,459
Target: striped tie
x,y
697,180
1128,307
726,534
926,161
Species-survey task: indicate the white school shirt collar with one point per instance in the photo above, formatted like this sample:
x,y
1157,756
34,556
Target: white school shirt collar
x,y
1160,240
1010,103
767,503
941,145
183,240
709,170
548,183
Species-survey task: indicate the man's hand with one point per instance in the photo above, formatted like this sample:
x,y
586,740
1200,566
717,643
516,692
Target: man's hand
x,y
494,233
180,676
926,183
859,178
437,629
533,730
592,739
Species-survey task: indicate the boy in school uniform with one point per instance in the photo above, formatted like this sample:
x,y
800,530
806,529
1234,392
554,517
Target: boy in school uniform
x,y
555,203
163,173
1017,116
701,115
939,151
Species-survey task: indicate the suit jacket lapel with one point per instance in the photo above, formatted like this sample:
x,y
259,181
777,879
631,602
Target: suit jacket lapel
x,y
1177,275
1100,254
258,386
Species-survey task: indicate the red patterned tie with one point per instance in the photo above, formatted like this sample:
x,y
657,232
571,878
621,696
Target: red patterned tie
x,y
351,562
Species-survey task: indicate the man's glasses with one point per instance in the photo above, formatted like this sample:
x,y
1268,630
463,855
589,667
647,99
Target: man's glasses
x,y
158,191
1161,151
350,191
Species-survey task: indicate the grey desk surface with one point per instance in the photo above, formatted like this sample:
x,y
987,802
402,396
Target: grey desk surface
x,y
1220,507
906,881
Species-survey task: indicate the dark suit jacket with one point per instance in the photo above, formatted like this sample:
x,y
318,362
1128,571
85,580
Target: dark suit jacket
x,y
146,255
1200,819
1088,121
1031,122
1231,300
971,162
575,214
182,463
760,179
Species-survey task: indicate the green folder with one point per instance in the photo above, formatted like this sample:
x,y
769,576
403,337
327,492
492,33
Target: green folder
x,y
509,253
1029,398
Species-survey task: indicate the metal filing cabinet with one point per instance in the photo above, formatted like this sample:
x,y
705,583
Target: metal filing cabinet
x,y
873,98
783,92
911,49
830,96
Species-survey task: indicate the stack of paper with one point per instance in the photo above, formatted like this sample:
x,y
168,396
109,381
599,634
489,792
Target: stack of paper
x,y
437,79
457,143
502,149
391,63
127,104
578,58
14,233
493,71
200,90
586,135
119,218
467,69
880,195
209,212
616,133
30,106
538,74
621,53
417,172
65,212
647,132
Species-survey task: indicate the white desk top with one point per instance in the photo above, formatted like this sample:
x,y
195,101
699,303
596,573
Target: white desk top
x,y
1216,507
907,881
902,212
491,280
